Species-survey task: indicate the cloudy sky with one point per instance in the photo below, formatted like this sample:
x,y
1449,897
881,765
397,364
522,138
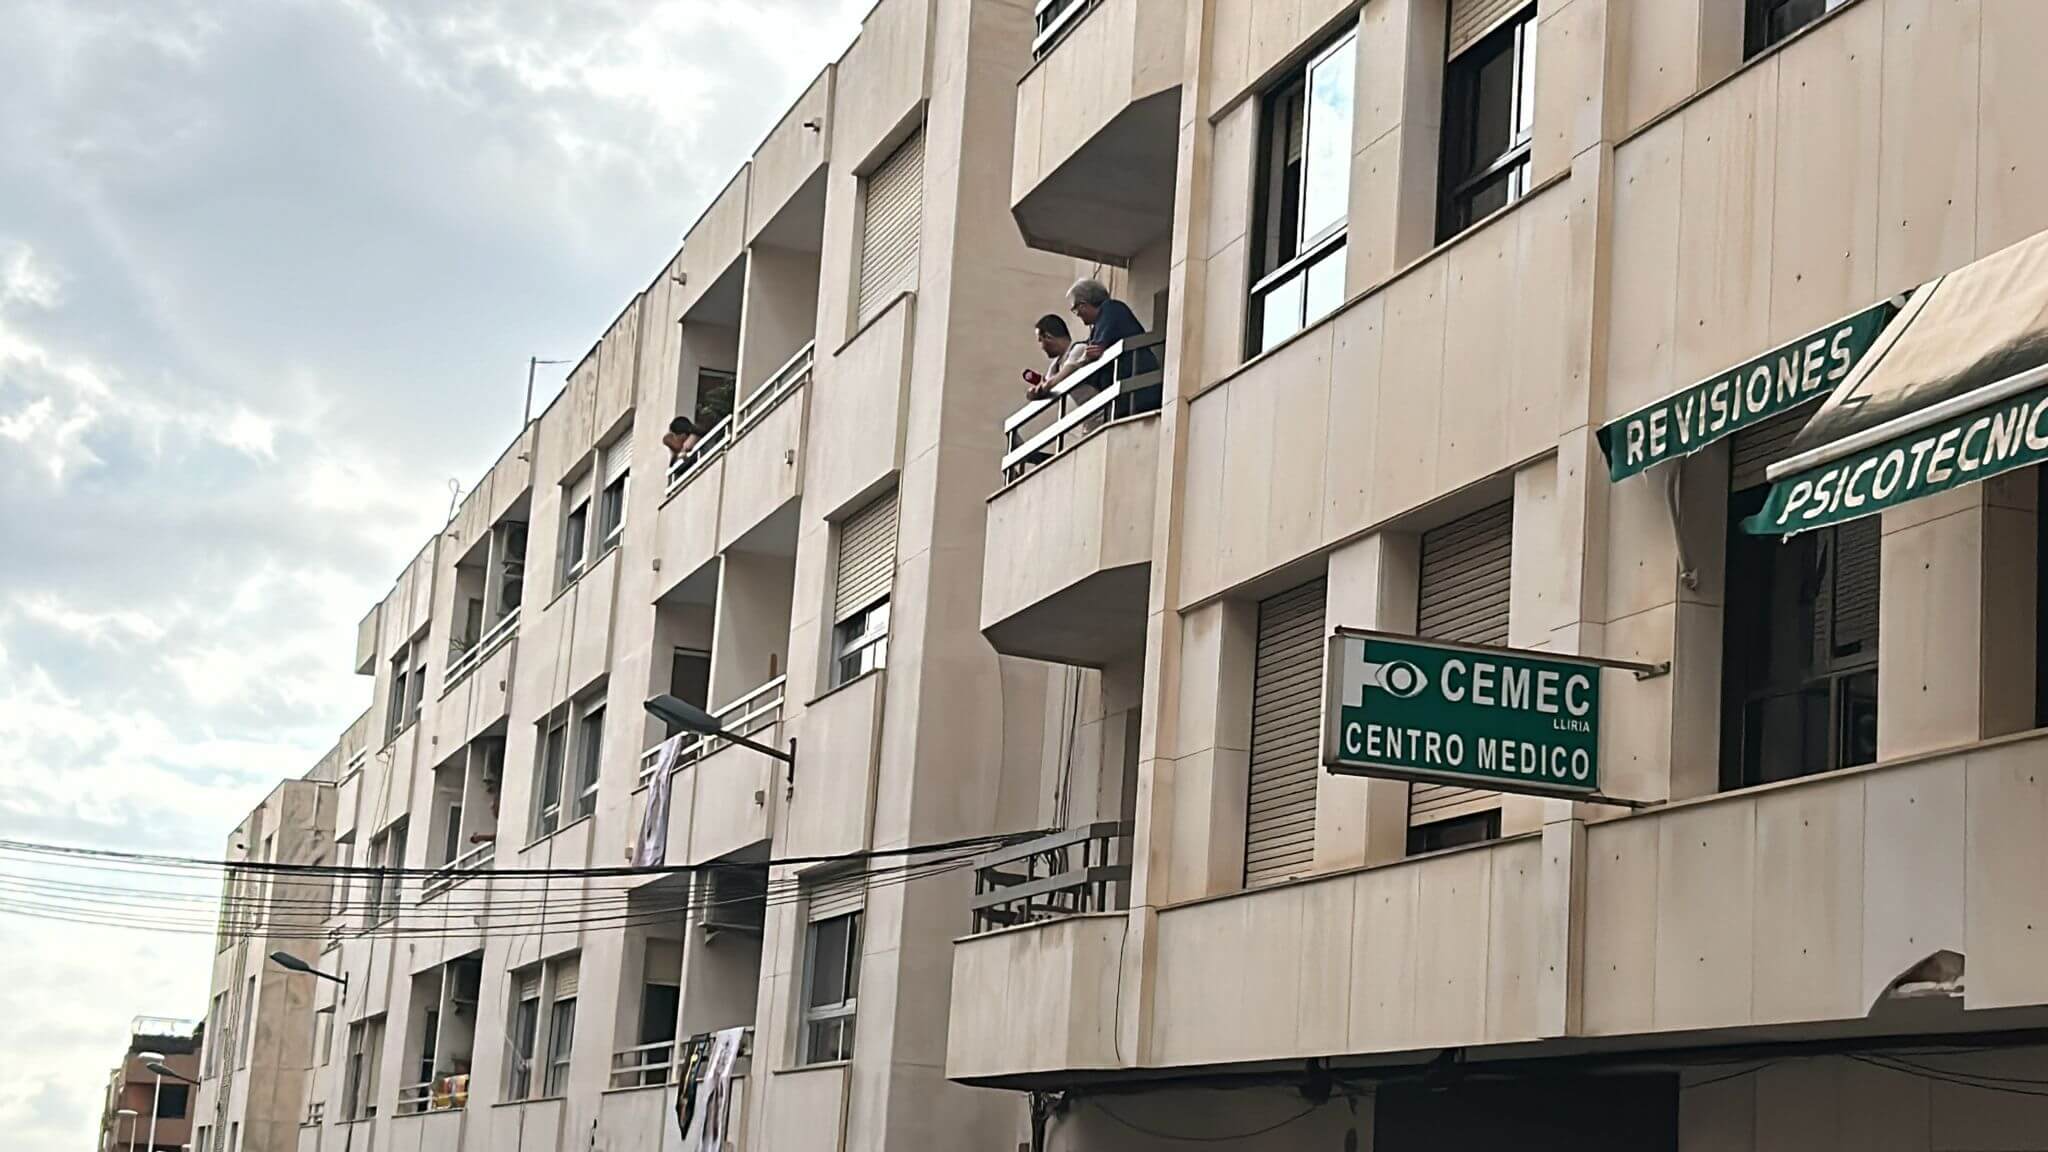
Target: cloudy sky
x,y
270,271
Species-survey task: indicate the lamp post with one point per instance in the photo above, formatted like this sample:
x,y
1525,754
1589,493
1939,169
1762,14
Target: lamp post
x,y
292,963
153,1060
129,1113
681,714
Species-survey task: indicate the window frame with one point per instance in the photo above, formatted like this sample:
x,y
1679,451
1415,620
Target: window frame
x,y
561,1044
1756,20
586,755
867,647
1310,251
524,1038
840,1014
359,1074
551,760
574,545
1515,37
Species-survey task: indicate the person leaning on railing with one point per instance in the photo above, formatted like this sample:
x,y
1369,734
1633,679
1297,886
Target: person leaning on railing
x,y
1063,356
1110,321
680,438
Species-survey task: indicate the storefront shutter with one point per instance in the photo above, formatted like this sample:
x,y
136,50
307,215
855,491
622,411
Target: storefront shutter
x,y
1463,596
1758,447
867,558
833,896
1471,20
890,224
566,978
1287,694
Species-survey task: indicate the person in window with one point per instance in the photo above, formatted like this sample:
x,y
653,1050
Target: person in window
x,y
680,438
1110,320
1063,357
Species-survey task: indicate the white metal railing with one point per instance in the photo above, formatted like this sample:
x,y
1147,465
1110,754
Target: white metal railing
x,y
750,714
1124,381
441,1094
455,871
480,651
643,1066
414,1099
794,373
1050,19
708,447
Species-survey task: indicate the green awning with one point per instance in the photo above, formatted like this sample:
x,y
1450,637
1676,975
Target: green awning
x,y
1799,372
1954,391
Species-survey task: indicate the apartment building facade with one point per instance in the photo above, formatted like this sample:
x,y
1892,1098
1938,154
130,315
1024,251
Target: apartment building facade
x,y
514,953
262,1033
142,1108
1691,336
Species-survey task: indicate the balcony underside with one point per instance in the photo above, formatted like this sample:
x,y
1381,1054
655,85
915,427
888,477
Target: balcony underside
x,y
1093,622
1113,197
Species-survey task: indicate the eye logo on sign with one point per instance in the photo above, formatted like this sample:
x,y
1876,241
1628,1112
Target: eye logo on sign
x,y
1397,678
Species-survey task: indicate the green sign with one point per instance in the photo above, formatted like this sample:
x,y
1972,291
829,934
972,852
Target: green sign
x,y
1976,445
1784,378
1497,718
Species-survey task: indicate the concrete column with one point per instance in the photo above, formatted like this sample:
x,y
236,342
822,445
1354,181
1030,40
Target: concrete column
x,y
1373,584
1956,617
1396,129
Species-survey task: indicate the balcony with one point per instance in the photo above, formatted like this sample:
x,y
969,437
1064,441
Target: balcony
x,y
1792,911
1070,873
657,1064
1065,571
626,1115
763,469
1097,127
441,1094
457,870
719,802
468,661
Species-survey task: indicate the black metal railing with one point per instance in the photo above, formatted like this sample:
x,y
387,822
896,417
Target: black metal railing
x,y
1068,873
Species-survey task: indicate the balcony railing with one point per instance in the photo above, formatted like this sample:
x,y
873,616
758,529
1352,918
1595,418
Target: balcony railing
x,y
708,448
1051,19
1125,381
1065,874
441,1094
480,651
652,1065
794,374
753,713
455,871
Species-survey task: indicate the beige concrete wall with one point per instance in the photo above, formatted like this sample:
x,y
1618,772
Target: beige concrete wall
x,y
1060,976
761,473
858,404
1086,512
794,152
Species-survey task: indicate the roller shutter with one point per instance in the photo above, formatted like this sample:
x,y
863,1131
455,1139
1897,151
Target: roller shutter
x,y
1463,596
529,984
833,896
1758,447
567,977
1471,20
867,558
664,963
1287,694
891,219
618,458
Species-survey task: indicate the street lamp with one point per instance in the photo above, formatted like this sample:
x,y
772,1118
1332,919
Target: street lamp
x,y
293,963
152,1061
130,1114
681,714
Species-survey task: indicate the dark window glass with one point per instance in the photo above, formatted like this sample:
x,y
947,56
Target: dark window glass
x,y
1799,649
1489,121
1769,21
172,1103
658,1007
1456,832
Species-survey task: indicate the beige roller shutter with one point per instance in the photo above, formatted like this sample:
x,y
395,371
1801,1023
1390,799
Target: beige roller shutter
x,y
867,558
1463,596
664,962
833,896
567,977
1845,608
618,458
891,219
1759,446
529,983
1471,20
1287,696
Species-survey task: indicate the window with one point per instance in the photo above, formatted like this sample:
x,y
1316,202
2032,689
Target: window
x,y
689,676
861,643
611,503
408,687
860,597
1766,22
715,388
1474,828
554,754
891,222
575,529
1799,634
234,1137
248,1028
525,1030
214,1034
451,830
472,622
173,1101
387,855
1489,121
430,1038
561,1037
831,979
589,757
1303,197
365,1039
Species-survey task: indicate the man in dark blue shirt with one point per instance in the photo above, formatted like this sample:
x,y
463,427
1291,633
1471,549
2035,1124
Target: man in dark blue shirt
x,y
1110,320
